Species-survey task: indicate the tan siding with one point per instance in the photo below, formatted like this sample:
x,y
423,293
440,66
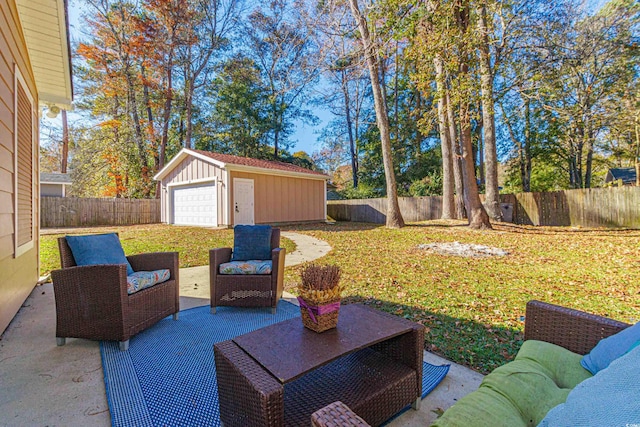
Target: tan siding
x,y
6,183
6,205
6,153
20,274
284,199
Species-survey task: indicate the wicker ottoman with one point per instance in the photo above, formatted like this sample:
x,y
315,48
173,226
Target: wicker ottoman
x,y
336,414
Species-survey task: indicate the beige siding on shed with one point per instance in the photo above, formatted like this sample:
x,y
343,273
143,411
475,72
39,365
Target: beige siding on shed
x,y
191,171
18,274
280,198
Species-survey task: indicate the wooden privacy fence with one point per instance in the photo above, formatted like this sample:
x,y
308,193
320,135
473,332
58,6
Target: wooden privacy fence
x,y
595,207
85,212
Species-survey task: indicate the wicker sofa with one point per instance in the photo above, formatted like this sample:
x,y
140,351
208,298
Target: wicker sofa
x,y
550,331
546,369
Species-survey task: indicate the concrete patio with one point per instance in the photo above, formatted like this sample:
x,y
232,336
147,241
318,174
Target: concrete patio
x,y
42,384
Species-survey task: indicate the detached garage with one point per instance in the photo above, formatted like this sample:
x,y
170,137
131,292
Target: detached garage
x,y
211,189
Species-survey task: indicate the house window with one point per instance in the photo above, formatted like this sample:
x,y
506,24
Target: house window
x,y
24,166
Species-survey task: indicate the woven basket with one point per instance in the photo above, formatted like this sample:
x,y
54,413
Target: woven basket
x,y
323,321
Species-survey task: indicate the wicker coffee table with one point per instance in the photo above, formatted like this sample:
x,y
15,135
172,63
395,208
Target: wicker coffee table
x,y
281,374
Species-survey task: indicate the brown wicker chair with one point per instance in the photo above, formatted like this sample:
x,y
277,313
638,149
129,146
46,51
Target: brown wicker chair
x,y
247,290
92,301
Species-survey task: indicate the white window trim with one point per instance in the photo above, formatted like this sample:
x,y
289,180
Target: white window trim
x,y
19,250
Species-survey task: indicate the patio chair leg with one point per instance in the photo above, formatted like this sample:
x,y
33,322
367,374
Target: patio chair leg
x,y
124,345
273,310
213,310
416,405
60,341
175,316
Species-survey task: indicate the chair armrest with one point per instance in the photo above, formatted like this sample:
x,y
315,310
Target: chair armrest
x,y
91,279
572,329
90,292
216,257
277,272
156,261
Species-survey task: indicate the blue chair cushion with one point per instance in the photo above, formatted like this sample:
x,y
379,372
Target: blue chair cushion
x,y
611,348
246,267
98,249
145,279
251,242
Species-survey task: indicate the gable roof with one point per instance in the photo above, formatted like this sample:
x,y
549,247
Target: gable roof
x,y
227,161
55,178
627,175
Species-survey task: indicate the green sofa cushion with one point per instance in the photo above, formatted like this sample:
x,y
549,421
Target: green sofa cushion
x,y
521,392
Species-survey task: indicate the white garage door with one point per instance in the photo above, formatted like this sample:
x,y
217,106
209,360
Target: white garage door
x,y
195,205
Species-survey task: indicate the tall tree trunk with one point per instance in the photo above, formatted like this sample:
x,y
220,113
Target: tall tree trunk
x,y
394,217
188,113
589,143
448,198
456,155
352,144
396,132
65,143
142,150
492,192
151,130
276,129
168,103
478,218
526,151
637,131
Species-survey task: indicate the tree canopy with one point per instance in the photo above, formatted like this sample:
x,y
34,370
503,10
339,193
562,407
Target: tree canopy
x,y
471,96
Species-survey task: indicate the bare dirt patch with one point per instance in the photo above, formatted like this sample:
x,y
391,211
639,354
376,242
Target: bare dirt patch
x,y
467,250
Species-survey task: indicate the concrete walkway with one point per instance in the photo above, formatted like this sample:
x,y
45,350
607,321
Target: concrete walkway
x,y
42,384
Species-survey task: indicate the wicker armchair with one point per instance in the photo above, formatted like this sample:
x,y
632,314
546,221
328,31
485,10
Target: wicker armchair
x,y
92,301
247,290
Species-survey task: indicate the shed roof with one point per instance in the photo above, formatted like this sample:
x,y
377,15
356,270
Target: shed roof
x,y
627,175
55,178
228,161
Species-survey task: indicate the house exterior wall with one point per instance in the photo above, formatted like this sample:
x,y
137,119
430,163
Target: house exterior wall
x,y
52,190
191,171
19,271
281,198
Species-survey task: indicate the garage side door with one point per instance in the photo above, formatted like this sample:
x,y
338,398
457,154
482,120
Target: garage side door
x,y
195,205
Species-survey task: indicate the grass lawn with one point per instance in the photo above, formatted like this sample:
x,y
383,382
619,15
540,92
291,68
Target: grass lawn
x,y
472,308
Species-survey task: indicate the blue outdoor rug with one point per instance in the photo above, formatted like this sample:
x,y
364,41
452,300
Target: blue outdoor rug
x,y
167,378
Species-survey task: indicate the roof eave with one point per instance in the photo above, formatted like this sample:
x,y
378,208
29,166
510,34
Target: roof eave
x,y
58,94
185,152
255,169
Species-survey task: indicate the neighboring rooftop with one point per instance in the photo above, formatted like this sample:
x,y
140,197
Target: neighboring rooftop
x,y
627,175
55,178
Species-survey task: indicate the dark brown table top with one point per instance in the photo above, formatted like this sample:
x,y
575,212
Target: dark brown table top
x,y
288,350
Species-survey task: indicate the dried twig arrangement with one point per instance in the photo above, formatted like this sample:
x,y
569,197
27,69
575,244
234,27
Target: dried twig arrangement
x,y
320,283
